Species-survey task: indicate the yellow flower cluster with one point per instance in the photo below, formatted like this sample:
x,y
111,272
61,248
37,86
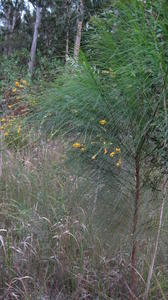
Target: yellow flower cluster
x,y
23,81
103,122
80,146
76,145
19,85
112,153
7,122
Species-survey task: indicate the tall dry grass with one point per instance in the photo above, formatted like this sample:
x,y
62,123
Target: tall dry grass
x,y
57,240
49,249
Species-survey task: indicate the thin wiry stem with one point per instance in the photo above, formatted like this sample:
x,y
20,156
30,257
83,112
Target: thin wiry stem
x,y
135,220
164,192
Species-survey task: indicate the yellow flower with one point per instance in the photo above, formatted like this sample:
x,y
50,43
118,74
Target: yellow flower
x,y
2,120
23,81
102,122
112,154
14,90
6,133
105,150
9,106
17,83
118,164
19,130
94,156
118,150
76,145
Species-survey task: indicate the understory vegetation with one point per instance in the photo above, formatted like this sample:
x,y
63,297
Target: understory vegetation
x,y
83,150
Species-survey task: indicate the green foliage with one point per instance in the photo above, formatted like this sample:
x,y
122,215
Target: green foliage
x,y
12,68
121,81
48,68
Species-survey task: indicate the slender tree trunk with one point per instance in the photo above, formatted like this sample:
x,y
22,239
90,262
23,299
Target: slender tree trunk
x,y
7,27
67,17
34,42
79,31
135,221
11,15
11,30
67,46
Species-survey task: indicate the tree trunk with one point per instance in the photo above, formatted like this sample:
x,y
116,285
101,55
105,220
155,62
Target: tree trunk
x,y
11,15
11,30
67,46
79,31
34,42
67,17
8,29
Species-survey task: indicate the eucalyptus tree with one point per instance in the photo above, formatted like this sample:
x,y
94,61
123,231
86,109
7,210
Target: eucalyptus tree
x,y
35,37
51,31
79,29
85,9
10,14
